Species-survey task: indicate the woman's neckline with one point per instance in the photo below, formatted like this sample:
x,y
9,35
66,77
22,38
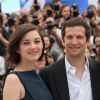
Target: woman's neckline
x,y
32,70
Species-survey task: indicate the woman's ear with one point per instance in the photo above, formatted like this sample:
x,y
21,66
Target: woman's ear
x,y
18,51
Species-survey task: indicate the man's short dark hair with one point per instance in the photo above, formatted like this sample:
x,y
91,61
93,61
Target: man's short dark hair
x,y
76,22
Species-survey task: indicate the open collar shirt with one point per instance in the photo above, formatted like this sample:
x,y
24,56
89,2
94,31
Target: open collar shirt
x,y
79,89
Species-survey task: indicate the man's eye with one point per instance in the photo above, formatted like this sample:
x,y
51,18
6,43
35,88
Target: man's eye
x,y
37,42
69,37
80,37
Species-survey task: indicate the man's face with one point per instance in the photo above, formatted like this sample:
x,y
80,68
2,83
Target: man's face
x,y
47,42
75,41
97,43
66,12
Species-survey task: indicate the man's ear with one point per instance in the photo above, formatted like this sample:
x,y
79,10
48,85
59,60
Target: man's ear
x,y
89,44
63,43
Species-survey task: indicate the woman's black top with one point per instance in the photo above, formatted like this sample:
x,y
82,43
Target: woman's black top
x,y
35,88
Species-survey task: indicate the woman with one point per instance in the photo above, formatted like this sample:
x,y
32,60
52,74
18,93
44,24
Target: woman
x,y
25,47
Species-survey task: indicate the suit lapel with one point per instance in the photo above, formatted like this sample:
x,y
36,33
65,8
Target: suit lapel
x,y
61,81
95,79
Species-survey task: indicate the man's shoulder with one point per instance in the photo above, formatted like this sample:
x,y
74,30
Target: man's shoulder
x,y
93,61
94,64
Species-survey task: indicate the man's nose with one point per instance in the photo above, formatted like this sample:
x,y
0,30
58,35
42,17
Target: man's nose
x,y
74,40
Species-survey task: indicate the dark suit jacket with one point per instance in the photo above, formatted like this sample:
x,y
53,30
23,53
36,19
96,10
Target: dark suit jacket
x,y
56,80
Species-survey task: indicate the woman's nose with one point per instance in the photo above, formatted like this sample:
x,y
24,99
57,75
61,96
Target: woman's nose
x,y
33,45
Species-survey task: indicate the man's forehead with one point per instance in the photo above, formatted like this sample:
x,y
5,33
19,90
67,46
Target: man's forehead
x,y
73,28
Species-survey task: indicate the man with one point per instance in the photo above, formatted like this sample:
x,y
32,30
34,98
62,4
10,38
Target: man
x,y
97,47
74,77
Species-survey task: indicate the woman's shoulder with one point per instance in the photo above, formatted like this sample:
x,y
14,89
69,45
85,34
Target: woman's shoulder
x,y
12,80
13,86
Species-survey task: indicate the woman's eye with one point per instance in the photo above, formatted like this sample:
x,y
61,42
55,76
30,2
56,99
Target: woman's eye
x,y
26,43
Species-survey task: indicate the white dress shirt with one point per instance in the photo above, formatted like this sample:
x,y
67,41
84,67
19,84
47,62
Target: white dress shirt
x,y
79,89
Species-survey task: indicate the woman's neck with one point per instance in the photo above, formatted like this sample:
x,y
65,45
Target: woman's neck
x,y
25,67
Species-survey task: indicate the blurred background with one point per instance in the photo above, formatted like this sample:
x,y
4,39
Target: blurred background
x,y
9,6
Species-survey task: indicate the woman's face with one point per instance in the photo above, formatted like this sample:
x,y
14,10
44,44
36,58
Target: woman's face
x,y
30,47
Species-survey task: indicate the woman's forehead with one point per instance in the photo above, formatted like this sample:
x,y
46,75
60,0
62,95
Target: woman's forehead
x,y
31,35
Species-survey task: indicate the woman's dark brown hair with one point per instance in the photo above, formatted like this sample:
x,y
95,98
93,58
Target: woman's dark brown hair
x,y
14,42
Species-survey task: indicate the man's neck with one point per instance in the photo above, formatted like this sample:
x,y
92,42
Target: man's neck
x,y
78,62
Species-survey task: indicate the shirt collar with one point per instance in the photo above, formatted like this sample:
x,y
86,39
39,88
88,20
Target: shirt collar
x,y
69,66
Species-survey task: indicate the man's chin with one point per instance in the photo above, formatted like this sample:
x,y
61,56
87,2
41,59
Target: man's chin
x,y
75,55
